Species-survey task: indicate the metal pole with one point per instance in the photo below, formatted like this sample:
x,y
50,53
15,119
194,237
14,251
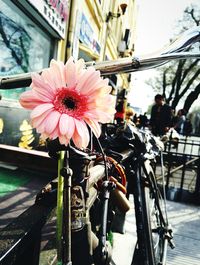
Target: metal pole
x,y
123,65
66,236
182,178
169,157
197,186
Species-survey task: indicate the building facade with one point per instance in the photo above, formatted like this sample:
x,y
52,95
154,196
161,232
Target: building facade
x,y
102,30
31,34
34,32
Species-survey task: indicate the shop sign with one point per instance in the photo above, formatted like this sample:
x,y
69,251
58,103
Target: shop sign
x,y
55,12
87,35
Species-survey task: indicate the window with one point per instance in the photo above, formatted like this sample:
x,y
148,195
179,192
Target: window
x,y
24,46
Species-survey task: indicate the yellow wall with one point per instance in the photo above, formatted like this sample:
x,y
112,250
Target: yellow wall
x,y
108,34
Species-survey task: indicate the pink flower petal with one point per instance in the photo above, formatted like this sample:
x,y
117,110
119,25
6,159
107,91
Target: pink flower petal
x,y
54,134
44,136
66,125
36,122
63,123
42,97
98,86
101,92
51,121
58,69
81,134
77,140
41,88
41,109
104,104
92,114
28,100
109,104
90,83
64,140
48,78
41,129
104,117
80,65
70,128
84,78
95,127
70,73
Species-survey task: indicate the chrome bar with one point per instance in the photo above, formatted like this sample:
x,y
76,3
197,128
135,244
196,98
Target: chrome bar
x,y
174,51
15,81
133,64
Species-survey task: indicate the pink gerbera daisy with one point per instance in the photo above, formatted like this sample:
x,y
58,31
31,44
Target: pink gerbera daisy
x,y
67,98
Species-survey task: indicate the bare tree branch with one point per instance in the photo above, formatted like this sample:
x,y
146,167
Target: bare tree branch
x,y
192,97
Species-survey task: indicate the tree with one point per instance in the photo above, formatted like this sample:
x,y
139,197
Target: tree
x,y
16,40
181,80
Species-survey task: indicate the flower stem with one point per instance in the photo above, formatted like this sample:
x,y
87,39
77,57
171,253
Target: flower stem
x,y
60,207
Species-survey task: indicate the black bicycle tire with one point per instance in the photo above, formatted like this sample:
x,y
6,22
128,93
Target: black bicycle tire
x,y
161,225
159,245
145,252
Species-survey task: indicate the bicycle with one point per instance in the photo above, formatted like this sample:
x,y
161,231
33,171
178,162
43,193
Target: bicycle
x,y
137,150
137,160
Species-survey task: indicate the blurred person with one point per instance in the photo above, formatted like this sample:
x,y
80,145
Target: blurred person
x,y
135,118
161,116
181,118
120,112
129,116
187,127
143,120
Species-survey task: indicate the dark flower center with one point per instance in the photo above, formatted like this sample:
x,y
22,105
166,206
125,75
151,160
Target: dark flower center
x,y
69,103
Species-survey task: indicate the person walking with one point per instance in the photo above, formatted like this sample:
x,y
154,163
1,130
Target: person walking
x,y
161,116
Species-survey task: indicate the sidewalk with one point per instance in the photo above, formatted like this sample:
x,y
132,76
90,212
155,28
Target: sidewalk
x,y
18,190
185,221
124,244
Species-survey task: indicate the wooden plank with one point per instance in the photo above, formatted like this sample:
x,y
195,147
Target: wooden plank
x,y
31,159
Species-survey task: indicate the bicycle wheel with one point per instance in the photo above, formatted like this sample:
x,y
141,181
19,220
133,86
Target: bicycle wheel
x,y
149,220
156,226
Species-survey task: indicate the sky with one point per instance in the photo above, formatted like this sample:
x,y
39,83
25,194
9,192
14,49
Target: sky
x,y
156,25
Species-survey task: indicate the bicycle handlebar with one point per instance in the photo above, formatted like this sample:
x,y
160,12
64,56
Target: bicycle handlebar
x,y
174,51
127,65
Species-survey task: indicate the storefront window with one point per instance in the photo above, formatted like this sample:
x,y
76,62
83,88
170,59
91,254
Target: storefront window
x,y
24,46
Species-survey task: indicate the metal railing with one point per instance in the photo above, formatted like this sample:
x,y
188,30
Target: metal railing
x,y
182,170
